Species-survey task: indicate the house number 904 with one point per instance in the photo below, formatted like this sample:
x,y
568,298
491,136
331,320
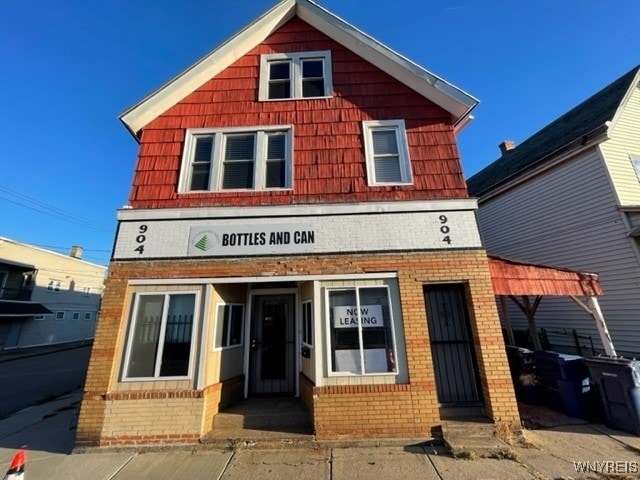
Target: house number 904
x,y
141,238
444,229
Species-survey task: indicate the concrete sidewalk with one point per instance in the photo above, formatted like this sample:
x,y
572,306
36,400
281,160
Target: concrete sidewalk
x,y
47,433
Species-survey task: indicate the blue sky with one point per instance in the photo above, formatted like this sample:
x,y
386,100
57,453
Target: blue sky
x,y
70,67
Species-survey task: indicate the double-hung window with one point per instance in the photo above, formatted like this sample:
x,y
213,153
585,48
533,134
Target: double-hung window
x,y
295,75
237,159
229,321
161,336
54,286
361,331
386,151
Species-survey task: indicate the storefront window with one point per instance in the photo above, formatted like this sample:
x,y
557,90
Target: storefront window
x,y
361,328
161,336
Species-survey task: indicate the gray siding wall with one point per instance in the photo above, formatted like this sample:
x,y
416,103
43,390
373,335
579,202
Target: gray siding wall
x,y
567,217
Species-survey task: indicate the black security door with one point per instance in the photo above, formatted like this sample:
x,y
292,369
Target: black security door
x,y
272,346
451,345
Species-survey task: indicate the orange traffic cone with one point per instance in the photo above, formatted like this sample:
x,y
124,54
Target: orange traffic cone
x,y
16,468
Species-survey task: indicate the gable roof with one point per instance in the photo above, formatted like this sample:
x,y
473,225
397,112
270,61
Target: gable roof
x,y
583,123
455,101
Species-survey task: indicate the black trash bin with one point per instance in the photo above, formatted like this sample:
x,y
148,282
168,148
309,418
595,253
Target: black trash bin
x,y
618,382
526,383
566,382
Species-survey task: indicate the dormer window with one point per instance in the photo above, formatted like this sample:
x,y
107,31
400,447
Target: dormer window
x,y
295,75
257,158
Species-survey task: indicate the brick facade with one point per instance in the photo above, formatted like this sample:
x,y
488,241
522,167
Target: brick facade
x,y
404,410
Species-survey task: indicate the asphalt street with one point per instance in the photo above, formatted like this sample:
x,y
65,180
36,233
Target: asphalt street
x,y
28,381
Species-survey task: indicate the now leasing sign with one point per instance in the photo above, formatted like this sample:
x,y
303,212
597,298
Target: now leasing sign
x,y
347,317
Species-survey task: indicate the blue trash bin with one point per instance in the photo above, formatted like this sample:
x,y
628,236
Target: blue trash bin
x,y
566,382
618,382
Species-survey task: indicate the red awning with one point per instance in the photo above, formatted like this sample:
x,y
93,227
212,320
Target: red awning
x,y
512,277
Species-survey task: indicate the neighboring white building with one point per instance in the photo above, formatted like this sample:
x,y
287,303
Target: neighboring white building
x,y
32,278
570,196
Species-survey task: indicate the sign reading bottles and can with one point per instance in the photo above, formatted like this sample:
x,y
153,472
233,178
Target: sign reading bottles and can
x,y
230,240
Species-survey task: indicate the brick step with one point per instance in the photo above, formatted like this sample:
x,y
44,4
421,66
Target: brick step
x,y
262,421
469,437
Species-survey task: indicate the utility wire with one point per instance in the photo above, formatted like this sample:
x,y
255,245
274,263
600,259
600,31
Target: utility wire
x,y
41,207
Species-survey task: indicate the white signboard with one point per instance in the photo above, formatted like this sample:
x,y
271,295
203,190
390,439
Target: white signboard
x,y
347,317
307,234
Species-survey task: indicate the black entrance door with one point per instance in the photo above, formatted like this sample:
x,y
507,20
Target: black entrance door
x,y
451,345
272,365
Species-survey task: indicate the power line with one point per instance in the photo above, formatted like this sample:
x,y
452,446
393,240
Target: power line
x,y
42,207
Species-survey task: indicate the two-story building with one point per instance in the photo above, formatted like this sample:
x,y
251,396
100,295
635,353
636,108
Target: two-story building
x,y
46,297
569,196
298,225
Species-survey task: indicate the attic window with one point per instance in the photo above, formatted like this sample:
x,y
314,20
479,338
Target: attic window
x,y
286,76
385,146
237,159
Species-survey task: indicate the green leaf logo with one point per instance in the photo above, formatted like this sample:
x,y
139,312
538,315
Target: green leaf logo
x,y
203,244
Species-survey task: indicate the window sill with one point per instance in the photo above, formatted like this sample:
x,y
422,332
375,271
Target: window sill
x,y
325,97
154,379
395,184
358,375
239,190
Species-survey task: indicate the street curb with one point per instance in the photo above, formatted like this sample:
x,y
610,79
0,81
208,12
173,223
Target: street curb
x,y
233,444
12,355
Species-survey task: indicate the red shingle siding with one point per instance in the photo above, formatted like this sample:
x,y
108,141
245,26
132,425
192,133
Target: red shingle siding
x,y
329,164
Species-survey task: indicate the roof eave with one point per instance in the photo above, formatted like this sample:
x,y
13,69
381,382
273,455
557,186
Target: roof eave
x,y
442,93
452,99
569,150
154,104
614,120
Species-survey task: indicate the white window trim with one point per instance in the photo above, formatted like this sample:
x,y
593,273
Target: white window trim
x,y
87,316
165,308
635,163
368,126
296,74
215,327
54,286
302,339
329,346
57,317
259,171
75,316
